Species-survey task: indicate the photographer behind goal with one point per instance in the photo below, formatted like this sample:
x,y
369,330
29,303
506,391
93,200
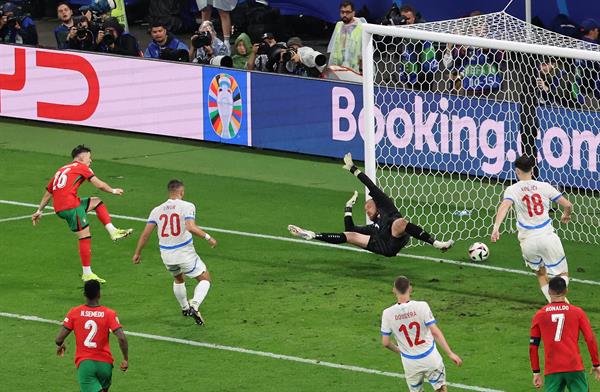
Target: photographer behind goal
x,y
301,60
207,48
15,27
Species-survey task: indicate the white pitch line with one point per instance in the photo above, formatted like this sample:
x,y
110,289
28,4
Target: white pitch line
x,y
14,218
323,244
267,354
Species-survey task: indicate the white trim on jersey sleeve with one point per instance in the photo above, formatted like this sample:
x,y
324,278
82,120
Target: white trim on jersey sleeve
x,y
386,329
190,212
508,194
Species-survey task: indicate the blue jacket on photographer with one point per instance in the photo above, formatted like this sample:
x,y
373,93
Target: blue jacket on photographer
x,y
301,60
206,45
589,71
164,45
16,28
114,39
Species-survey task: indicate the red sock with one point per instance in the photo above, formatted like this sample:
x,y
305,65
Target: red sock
x,y
102,214
85,251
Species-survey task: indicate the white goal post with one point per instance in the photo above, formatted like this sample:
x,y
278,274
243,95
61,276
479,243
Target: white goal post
x,y
449,105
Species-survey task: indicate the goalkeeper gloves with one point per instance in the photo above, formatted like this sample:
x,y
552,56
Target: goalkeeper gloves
x,y
352,200
349,164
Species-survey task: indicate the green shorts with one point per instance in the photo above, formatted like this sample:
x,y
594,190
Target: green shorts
x,y
76,217
575,381
94,376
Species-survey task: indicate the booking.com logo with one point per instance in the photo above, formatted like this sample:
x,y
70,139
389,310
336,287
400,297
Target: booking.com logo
x,y
408,126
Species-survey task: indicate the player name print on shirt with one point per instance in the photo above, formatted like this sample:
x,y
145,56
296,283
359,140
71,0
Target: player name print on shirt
x,y
403,316
92,313
556,308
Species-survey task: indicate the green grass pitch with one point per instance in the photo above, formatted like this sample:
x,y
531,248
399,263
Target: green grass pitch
x,y
268,295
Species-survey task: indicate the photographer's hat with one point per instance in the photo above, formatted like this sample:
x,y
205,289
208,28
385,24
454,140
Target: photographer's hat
x,y
9,7
589,25
267,36
99,6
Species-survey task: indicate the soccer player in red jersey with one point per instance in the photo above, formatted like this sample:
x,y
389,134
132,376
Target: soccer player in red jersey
x,y
92,323
557,325
68,206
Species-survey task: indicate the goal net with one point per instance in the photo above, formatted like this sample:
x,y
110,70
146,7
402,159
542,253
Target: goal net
x,y
449,106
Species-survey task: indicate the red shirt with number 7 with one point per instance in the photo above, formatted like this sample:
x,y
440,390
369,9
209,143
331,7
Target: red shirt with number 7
x,y
92,326
65,183
557,325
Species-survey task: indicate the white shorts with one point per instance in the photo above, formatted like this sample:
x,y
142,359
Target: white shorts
x,y
183,261
429,370
545,251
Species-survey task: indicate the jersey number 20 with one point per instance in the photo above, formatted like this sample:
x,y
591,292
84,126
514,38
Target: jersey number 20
x,y
535,205
416,326
174,223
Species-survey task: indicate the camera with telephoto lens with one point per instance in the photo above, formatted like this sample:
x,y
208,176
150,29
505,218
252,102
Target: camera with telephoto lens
x,y
394,17
201,38
180,55
288,54
108,39
263,48
82,32
12,21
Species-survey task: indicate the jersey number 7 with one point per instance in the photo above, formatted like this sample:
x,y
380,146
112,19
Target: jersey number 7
x,y
560,319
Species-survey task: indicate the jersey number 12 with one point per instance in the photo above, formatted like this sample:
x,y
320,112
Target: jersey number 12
x,y
416,326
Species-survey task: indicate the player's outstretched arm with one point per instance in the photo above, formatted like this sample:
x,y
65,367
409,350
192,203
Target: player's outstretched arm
x,y
441,340
124,346
60,341
35,218
567,209
190,225
137,256
103,186
500,216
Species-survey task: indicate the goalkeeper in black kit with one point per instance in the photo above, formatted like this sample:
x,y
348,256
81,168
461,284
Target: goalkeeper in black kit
x,y
388,233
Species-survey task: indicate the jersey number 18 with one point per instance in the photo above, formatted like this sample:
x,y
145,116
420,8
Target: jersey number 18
x,y
535,205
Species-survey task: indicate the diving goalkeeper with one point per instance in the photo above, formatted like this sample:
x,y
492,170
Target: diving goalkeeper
x,y
388,233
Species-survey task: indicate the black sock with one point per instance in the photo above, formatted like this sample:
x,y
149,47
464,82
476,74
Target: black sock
x,y
348,221
419,233
332,238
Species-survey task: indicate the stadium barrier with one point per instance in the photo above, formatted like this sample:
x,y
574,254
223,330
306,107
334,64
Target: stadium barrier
x,y
308,116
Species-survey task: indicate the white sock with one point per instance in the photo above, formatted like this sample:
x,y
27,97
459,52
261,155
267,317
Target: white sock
x,y
546,293
110,228
181,294
200,293
87,270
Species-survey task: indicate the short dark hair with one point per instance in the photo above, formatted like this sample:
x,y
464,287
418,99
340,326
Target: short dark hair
x,y
91,289
525,163
347,3
159,22
173,185
63,3
408,8
402,284
557,285
79,149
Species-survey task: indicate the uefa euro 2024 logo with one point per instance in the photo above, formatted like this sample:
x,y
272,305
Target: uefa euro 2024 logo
x,y
225,106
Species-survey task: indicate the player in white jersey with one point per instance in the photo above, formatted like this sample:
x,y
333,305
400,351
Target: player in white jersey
x,y
541,247
416,333
176,221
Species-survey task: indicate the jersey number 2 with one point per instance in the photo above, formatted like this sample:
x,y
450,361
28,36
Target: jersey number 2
x,y
412,325
173,222
560,319
93,327
534,203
